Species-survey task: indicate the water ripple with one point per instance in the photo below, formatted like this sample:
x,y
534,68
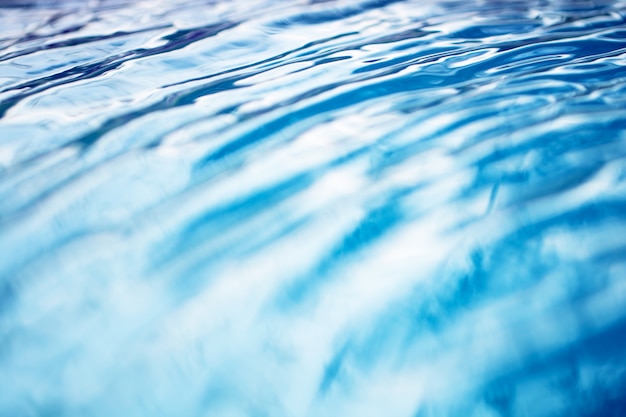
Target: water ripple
x,y
311,208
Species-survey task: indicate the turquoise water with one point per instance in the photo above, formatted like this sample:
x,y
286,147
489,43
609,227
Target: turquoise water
x,y
312,208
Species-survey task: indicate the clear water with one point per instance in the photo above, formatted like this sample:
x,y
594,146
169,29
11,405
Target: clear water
x,y
306,208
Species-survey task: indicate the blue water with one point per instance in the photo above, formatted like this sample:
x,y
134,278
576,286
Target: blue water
x,y
296,208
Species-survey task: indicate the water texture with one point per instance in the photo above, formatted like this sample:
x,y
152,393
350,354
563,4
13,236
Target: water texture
x,y
312,208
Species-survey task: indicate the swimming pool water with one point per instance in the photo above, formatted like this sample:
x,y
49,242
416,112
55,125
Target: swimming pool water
x,y
313,208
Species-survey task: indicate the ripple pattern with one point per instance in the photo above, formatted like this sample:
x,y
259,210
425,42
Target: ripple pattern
x,y
313,208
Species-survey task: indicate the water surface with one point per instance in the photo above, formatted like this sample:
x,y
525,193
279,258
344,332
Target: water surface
x,y
312,208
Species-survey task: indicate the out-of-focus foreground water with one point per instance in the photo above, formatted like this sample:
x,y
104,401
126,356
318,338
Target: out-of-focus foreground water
x,y
312,208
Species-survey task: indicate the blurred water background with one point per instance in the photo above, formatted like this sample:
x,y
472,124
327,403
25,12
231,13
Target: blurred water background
x,y
312,208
